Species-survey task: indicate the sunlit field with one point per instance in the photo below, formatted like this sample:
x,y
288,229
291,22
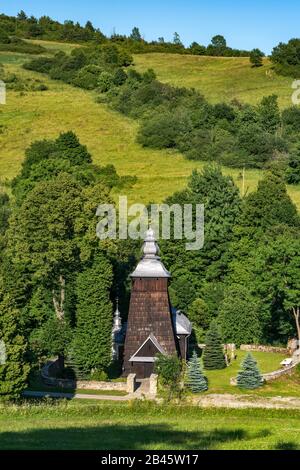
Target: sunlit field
x,y
109,136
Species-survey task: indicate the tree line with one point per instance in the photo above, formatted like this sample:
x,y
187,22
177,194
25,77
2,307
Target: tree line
x,y
284,56
46,28
55,275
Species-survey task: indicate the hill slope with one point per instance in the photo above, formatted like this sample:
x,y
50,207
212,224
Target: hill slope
x,y
219,78
109,136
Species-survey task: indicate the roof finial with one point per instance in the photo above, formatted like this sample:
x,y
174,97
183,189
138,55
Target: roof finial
x,y
150,247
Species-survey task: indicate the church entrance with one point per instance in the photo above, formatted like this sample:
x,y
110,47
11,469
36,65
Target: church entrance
x,y
143,370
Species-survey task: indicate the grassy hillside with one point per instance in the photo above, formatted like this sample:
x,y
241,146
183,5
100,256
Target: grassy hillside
x,y
219,78
109,136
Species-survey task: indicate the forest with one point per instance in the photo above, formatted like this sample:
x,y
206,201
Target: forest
x,y
56,276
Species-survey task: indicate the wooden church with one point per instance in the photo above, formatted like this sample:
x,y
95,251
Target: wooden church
x,y
153,326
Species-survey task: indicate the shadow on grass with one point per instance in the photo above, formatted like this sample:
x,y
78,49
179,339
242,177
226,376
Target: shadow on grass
x,y
122,437
286,446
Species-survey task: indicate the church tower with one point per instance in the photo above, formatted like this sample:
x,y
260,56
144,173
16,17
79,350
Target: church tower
x,y
150,328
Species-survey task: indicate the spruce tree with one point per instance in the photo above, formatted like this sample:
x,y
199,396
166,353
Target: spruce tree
x,y
196,381
91,347
249,377
13,367
213,358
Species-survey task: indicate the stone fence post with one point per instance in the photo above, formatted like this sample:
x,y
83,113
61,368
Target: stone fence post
x,y
131,383
153,384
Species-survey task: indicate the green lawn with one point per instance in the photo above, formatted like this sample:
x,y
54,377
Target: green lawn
x,y
77,425
219,380
219,78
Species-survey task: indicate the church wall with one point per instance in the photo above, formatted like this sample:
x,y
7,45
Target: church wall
x,y
149,312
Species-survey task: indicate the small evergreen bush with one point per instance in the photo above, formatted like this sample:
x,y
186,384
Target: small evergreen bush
x,y
196,381
249,377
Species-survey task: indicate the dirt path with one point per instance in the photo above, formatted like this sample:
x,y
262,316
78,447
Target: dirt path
x,y
206,401
246,401
70,396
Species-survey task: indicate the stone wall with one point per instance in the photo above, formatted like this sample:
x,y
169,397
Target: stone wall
x,y
92,385
49,376
262,348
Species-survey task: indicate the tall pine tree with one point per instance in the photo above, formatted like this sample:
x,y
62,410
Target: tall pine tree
x,y
213,358
13,368
91,348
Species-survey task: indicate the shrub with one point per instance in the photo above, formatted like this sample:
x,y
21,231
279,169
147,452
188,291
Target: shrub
x,y
42,65
162,130
4,38
119,77
292,173
249,377
105,82
17,45
291,118
256,58
169,369
99,375
256,142
88,77
196,381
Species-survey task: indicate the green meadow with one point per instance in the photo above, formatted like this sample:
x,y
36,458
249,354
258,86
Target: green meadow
x,y
219,78
142,426
109,136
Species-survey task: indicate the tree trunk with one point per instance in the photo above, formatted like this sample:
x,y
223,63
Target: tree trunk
x,y
59,303
60,313
296,313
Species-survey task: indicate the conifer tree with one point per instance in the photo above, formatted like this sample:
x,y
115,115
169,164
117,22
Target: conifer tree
x,y
197,382
213,358
13,367
249,377
91,348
